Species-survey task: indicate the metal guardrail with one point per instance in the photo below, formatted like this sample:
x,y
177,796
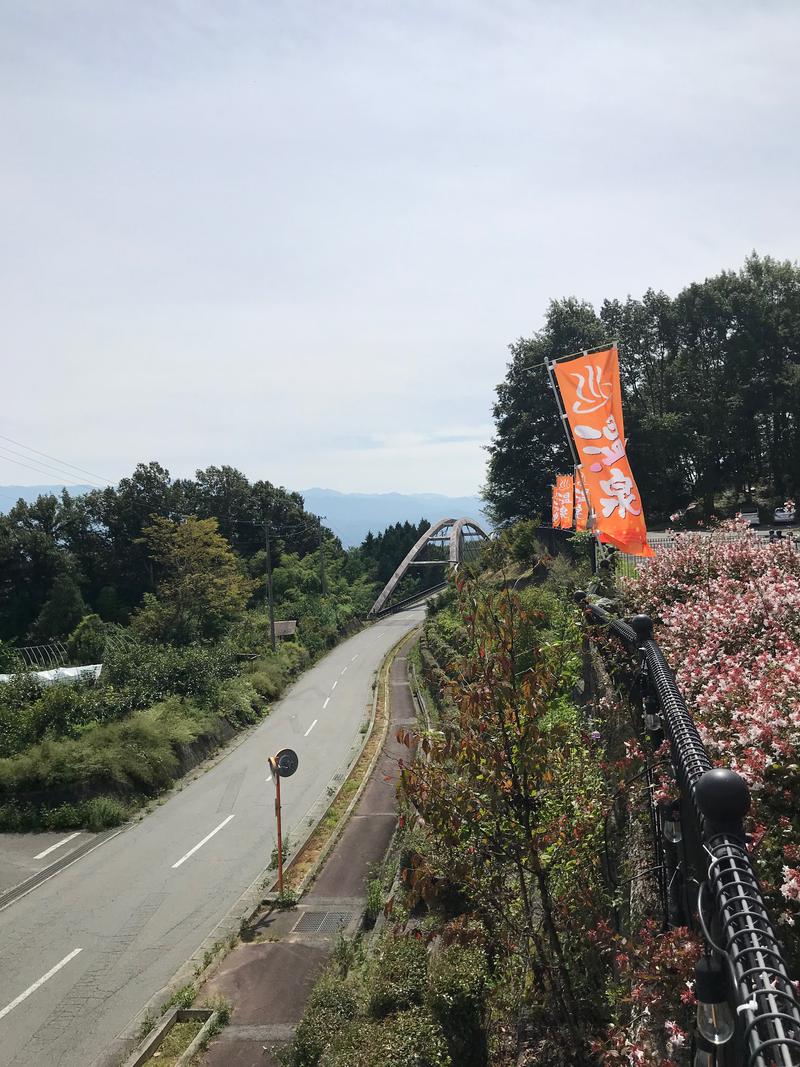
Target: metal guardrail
x,y
409,601
711,858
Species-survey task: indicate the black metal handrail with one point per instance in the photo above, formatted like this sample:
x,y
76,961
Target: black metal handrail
x,y
740,930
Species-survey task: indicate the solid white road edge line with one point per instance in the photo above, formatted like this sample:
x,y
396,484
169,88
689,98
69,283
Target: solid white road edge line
x,y
39,982
327,701
58,844
311,727
200,844
60,869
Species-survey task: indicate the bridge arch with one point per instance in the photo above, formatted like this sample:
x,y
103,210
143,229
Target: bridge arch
x,y
458,530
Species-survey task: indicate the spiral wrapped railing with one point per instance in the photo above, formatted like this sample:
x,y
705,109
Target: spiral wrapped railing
x,y
728,906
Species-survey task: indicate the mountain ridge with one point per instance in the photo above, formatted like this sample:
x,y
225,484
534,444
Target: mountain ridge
x,y
351,516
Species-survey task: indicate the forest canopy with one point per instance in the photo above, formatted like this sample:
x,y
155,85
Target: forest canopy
x,y
711,391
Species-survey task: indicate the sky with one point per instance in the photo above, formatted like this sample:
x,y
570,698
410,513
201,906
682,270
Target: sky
x,y
297,237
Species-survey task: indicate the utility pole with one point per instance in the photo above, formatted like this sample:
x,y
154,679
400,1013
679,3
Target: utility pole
x,y
321,558
270,599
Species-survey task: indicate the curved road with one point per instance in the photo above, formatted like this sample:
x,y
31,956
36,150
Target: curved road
x,y
83,952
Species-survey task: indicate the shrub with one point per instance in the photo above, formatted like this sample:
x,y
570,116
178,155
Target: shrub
x,y
730,611
268,677
456,985
59,711
411,1038
10,659
238,701
374,906
16,720
294,655
98,813
399,975
137,754
331,1005
87,642
145,674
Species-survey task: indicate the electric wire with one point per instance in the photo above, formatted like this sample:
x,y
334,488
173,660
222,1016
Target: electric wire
x,y
41,467
61,462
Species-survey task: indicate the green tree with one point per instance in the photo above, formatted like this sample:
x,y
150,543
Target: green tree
x,y
87,642
62,611
200,587
711,391
529,447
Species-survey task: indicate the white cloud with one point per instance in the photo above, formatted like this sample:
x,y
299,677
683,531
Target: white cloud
x,y
253,233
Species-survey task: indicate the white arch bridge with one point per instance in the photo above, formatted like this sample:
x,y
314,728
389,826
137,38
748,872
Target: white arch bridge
x,y
446,543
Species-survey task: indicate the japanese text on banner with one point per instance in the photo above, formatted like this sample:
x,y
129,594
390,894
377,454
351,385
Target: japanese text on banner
x,y
564,482
555,521
592,397
581,506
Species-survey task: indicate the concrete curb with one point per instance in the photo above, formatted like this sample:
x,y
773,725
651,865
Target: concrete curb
x,y
157,1037
419,701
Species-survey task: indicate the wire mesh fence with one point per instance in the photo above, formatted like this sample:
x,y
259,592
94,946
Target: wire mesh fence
x,y
627,566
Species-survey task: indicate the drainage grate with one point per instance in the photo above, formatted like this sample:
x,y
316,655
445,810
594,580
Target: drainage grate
x,y
321,922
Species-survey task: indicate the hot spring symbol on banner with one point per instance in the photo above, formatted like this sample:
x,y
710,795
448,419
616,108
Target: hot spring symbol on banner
x,y
562,502
590,391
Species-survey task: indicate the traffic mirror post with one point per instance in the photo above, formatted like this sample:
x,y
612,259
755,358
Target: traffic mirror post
x,y
282,765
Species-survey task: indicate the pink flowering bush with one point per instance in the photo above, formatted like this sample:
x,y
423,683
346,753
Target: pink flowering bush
x,y
727,614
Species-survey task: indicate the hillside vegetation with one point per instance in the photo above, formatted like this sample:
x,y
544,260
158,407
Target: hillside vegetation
x,y
524,924
711,395
164,583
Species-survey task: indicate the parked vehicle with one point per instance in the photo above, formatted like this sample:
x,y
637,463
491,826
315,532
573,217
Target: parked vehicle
x,y
750,514
784,515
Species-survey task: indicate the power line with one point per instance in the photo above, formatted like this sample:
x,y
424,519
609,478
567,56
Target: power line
x,y
19,463
40,468
62,463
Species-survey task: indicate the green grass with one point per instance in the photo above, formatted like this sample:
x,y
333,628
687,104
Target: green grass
x,y
93,780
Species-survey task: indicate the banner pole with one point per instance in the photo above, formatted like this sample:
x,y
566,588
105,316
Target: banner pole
x,y
565,424
575,458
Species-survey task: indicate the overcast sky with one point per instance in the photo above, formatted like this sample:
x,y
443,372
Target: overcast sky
x,y
298,237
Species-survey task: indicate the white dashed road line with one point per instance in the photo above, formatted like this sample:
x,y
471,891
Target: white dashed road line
x,y
200,844
343,669
311,727
58,844
334,685
354,658
327,701
39,982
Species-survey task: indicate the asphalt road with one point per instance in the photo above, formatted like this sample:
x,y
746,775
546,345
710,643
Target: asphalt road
x,y
83,952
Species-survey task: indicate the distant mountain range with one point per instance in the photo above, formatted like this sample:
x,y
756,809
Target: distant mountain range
x,y
350,515
10,494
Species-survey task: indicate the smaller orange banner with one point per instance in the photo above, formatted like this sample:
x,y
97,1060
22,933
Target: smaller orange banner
x,y
565,508
556,517
581,506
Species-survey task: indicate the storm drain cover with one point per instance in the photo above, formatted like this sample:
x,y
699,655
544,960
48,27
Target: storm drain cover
x,y
322,922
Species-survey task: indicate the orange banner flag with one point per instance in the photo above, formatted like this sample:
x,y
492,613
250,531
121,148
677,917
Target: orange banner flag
x,y
581,506
592,397
556,511
565,493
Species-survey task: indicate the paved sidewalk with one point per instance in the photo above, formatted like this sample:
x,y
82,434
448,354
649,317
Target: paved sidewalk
x,y
268,982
